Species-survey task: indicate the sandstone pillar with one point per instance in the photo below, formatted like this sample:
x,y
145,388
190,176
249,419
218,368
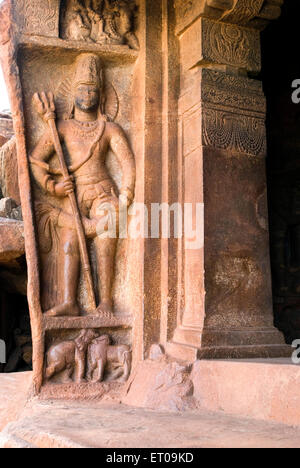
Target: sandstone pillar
x,y
222,155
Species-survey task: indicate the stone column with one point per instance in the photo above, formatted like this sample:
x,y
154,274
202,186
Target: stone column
x,y
223,147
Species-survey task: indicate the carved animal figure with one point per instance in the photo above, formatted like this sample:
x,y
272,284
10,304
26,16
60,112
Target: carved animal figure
x,y
119,362
102,356
68,354
97,357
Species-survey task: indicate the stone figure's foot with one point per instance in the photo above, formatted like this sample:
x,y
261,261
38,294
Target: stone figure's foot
x,y
67,309
101,39
89,40
105,310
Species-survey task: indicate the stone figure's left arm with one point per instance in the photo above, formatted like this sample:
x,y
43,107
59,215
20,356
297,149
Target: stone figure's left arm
x,y
120,146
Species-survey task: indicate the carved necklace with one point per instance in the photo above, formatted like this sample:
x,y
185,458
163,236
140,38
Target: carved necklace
x,y
85,129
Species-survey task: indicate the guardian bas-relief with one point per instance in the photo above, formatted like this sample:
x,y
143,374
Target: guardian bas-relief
x,y
78,195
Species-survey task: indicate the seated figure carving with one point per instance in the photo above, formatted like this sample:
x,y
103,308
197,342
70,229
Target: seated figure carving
x,y
99,21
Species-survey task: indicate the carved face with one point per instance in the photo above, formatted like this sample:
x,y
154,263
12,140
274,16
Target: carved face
x,y
87,97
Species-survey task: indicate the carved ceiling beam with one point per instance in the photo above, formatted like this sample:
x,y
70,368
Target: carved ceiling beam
x,y
250,13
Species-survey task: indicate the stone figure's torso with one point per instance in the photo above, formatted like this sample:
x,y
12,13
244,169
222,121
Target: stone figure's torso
x,y
87,144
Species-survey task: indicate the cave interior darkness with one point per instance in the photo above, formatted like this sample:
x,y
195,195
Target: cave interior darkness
x,y
280,68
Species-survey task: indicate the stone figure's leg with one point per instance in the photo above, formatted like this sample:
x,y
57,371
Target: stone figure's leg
x,y
52,369
91,368
69,373
68,275
105,255
127,366
80,359
100,371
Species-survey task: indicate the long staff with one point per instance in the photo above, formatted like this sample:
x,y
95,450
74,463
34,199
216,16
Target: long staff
x,y
46,108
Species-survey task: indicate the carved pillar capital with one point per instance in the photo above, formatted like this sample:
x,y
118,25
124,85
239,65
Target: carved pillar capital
x,y
251,13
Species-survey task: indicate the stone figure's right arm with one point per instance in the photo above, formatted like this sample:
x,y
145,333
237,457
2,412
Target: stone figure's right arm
x,y
39,158
40,168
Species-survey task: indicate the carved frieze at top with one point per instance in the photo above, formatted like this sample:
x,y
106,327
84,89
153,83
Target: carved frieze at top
x,y
102,22
251,13
37,17
99,21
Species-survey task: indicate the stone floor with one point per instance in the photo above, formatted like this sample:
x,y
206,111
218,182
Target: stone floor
x,y
96,425
233,413
14,389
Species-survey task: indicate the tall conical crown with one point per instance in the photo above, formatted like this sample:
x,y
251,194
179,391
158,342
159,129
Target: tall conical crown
x,y
88,70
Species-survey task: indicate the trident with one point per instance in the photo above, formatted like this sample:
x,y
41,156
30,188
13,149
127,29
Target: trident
x,y
45,106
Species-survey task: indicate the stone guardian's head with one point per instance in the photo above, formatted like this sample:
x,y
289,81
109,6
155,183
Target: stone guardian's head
x,y
88,84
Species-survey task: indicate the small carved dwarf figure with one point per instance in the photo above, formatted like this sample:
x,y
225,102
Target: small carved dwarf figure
x,y
78,23
102,356
86,137
69,354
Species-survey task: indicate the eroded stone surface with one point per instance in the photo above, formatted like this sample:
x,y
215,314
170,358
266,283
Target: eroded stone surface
x,y
160,385
14,392
11,240
91,425
8,171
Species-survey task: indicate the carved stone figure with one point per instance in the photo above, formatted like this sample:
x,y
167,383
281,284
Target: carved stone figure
x,y
100,21
78,197
79,25
97,358
116,360
68,354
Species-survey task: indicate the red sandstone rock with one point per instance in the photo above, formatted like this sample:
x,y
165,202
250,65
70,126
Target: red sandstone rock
x,y
160,385
11,240
9,183
92,425
14,392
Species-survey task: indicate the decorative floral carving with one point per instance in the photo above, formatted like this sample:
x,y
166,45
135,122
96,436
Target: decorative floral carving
x,y
243,11
254,13
231,45
40,18
242,133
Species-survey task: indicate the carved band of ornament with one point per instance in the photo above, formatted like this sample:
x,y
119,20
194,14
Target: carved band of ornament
x,y
39,17
224,98
231,45
243,11
234,132
254,13
232,82
228,90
